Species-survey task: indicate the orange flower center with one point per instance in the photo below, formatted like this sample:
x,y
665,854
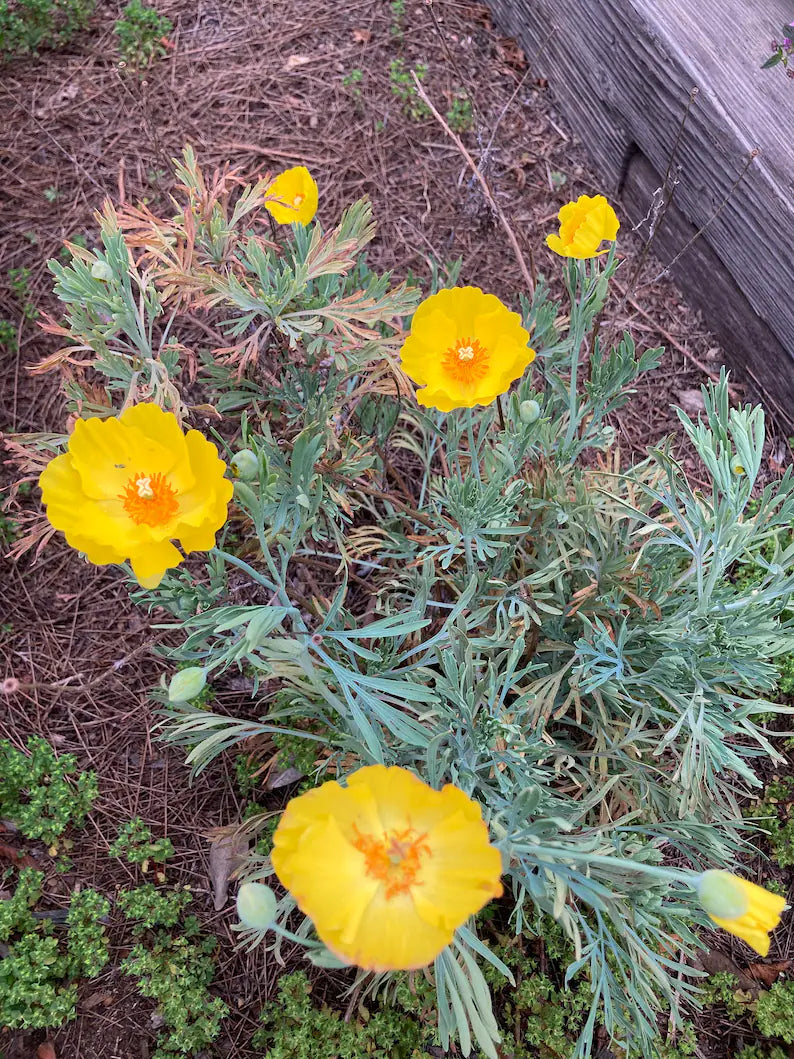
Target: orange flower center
x,y
394,859
297,201
149,499
466,361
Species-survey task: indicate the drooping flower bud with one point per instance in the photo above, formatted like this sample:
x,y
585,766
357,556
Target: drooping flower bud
x,y
245,465
187,684
256,905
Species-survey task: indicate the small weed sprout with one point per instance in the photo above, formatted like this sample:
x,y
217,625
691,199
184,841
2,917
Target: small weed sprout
x,y
397,25
782,52
136,845
460,116
175,970
403,89
143,35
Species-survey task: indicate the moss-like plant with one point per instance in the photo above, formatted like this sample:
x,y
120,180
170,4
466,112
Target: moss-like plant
x,y
43,794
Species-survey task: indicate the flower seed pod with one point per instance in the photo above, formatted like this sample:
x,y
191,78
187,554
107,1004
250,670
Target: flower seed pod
x,y
256,905
102,270
529,411
187,684
245,465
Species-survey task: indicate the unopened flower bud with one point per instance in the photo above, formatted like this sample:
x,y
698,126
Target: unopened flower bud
x,y
737,468
102,270
721,894
256,905
187,684
529,411
245,465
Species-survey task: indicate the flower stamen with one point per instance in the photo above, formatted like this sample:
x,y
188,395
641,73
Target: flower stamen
x,y
149,499
394,859
466,361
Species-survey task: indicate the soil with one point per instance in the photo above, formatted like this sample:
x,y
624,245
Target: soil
x,y
265,86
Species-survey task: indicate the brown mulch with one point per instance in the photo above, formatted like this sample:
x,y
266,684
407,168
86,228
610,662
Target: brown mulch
x,y
261,85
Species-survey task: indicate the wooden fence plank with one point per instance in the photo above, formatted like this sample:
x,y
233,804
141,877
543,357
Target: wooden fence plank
x,y
622,71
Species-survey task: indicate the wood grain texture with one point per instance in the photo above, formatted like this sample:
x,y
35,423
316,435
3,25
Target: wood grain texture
x,y
741,331
622,71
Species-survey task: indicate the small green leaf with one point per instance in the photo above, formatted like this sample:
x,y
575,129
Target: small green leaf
x,y
773,60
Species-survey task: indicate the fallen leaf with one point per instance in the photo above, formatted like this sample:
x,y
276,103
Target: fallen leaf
x,y
716,962
691,401
226,854
362,36
768,973
294,61
45,1051
283,778
22,860
95,1000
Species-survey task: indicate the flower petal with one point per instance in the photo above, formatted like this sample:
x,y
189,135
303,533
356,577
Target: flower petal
x,y
461,874
326,876
351,807
150,564
293,197
107,452
390,935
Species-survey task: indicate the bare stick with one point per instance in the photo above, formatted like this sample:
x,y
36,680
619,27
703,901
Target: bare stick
x,y
528,277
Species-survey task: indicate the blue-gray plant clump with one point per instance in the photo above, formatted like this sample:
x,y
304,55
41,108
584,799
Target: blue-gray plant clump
x,y
491,598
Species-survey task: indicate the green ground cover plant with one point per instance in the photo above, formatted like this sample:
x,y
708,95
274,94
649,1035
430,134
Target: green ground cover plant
x,y
28,26
41,793
498,601
173,968
136,844
45,955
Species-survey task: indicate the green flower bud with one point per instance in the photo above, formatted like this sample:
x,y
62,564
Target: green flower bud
x,y
529,411
102,270
721,894
187,684
245,495
245,465
256,905
737,468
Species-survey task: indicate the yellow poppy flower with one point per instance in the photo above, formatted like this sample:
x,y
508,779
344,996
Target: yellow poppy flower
x,y
465,348
128,486
743,909
386,867
292,197
584,225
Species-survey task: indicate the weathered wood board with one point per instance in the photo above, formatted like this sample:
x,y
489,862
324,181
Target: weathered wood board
x,y
623,71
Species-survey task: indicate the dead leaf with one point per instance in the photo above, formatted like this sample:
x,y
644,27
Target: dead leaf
x,y
691,401
362,36
22,860
294,61
45,1051
101,998
226,855
283,778
716,962
768,973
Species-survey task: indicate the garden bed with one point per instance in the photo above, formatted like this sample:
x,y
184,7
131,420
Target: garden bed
x,y
330,90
